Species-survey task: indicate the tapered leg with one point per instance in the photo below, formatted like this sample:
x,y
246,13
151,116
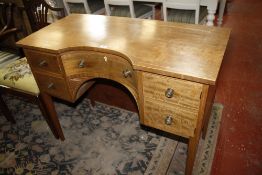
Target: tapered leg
x,y
191,154
46,115
208,109
5,110
92,101
193,141
49,105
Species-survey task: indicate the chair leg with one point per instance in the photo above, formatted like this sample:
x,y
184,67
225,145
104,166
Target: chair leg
x,y
221,12
5,110
46,115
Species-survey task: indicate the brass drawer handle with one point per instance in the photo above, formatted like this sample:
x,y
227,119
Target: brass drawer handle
x,y
169,93
42,63
127,73
50,86
82,64
168,120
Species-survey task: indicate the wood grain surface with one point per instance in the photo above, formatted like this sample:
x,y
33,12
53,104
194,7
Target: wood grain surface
x,y
98,65
57,89
184,51
41,61
182,107
80,49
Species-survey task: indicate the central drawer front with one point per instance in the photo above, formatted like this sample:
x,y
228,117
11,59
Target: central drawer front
x,y
99,65
171,104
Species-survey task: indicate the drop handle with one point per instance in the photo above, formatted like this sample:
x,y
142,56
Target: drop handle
x,y
82,64
168,120
169,93
42,63
50,86
127,73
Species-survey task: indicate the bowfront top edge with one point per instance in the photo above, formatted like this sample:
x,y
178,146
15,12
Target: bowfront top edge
x,y
191,52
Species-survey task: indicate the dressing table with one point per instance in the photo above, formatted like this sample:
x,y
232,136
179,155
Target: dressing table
x,y
170,69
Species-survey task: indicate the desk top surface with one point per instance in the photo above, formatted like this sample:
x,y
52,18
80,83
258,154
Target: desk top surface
x,y
191,52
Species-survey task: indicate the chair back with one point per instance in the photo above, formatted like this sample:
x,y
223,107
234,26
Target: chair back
x,y
183,5
90,6
37,11
9,33
120,3
86,7
6,19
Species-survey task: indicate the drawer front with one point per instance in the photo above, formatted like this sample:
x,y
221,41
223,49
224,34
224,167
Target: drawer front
x,y
54,86
168,118
171,89
43,61
96,64
171,104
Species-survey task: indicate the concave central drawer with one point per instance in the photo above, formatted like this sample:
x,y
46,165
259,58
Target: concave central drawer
x,y
98,64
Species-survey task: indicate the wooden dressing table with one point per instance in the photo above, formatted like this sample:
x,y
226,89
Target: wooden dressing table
x,y
170,69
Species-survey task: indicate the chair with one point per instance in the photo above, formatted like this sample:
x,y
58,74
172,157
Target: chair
x,y
7,26
16,77
128,8
222,5
38,12
84,6
185,11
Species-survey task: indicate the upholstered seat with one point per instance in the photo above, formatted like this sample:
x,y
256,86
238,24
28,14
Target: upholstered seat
x,y
7,58
124,11
17,74
185,16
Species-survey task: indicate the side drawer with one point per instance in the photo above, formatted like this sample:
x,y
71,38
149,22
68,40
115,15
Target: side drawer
x,y
180,91
43,61
54,86
170,119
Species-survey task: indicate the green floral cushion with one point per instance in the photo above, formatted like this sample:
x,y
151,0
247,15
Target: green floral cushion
x,y
18,75
185,16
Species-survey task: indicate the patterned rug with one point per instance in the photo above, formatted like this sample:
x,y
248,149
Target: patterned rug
x,y
102,140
